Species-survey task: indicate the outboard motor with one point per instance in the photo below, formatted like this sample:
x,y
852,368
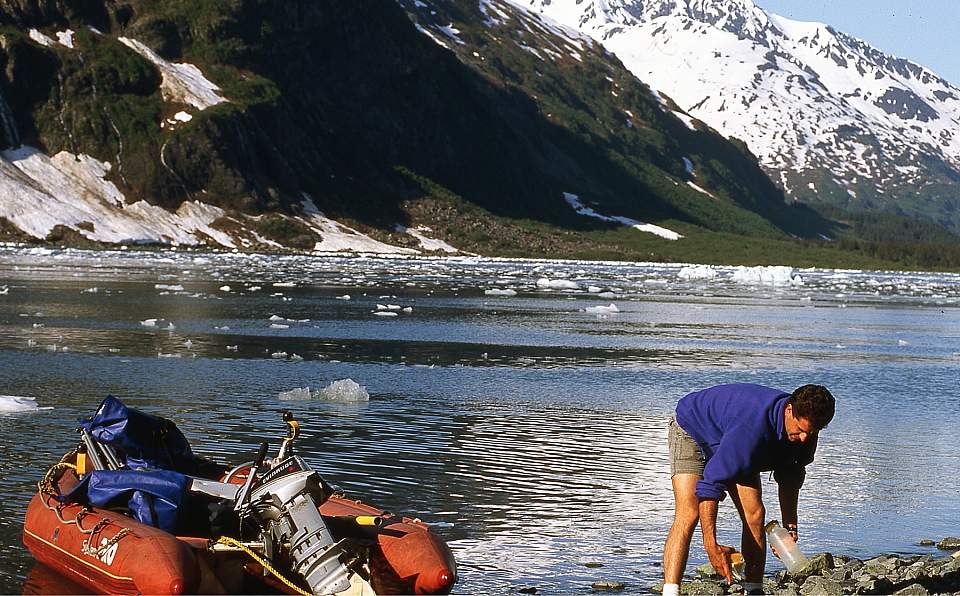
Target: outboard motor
x,y
285,503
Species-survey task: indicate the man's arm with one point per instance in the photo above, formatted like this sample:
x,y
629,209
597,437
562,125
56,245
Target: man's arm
x,y
719,555
789,497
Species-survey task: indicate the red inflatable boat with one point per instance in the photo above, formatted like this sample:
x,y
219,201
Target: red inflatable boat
x,y
356,549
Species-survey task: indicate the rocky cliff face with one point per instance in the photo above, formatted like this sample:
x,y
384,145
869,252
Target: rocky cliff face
x,y
237,122
832,119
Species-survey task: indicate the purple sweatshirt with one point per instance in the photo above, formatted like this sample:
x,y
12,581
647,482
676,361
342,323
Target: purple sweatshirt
x,y
740,429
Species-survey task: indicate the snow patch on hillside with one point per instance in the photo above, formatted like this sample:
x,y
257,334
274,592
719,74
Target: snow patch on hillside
x,y
574,202
41,192
181,82
427,243
40,38
336,237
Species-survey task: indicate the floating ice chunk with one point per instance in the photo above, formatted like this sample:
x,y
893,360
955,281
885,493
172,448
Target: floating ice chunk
x,y
90,291
162,355
557,284
408,309
170,327
499,292
344,390
276,318
606,295
254,288
170,287
278,355
902,342
298,393
773,275
344,297
388,307
149,322
285,284
697,272
594,289
612,308
384,313
233,348
224,288
279,326
19,403
4,290
296,357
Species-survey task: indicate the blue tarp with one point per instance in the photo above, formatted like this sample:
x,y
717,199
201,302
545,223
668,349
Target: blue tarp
x,y
154,450
144,441
153,497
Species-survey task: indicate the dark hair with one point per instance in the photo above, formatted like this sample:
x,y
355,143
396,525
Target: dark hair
x,y
814,403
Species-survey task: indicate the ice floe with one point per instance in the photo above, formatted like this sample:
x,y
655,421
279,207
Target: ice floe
x,y
770,275
500,292
697,272
557,284
601,309
343,390
18,403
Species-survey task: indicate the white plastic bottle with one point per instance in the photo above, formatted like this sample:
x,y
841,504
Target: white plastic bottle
x,y
787,548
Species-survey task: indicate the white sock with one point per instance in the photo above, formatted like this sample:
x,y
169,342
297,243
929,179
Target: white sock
x,y
750,586
671,589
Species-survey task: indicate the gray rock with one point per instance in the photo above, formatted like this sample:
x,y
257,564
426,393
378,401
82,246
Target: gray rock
x,y
926,542
917,572
770,586
840,574
707,571
607,585
790,589
912,590
821,586
815,566
702,588
949,543
878,585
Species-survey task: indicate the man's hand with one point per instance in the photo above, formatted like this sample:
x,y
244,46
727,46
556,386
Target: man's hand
x,y
720,559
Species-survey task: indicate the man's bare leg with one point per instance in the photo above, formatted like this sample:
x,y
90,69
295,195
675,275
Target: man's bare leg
x,y
685,516
748,498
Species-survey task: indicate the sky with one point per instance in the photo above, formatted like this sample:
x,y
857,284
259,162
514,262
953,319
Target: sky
x,y
924,31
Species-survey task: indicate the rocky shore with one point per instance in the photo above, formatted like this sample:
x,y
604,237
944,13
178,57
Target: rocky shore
x,y
829,574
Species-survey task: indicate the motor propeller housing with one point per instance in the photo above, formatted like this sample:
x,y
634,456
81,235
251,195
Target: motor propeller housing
x,y
285,502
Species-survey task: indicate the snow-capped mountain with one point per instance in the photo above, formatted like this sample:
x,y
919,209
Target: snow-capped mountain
x,y
830,117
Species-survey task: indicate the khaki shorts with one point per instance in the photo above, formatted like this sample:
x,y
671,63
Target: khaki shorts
x,y
686,457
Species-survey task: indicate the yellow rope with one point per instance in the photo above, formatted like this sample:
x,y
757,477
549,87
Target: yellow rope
x,y
236,543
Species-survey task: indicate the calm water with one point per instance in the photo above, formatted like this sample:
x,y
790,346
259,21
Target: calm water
x,y
530,432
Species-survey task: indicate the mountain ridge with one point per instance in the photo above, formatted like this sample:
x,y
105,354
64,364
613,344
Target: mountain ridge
x,y
866,129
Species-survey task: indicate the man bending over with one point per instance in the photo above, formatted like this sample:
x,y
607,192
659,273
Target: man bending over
x,y
720,440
